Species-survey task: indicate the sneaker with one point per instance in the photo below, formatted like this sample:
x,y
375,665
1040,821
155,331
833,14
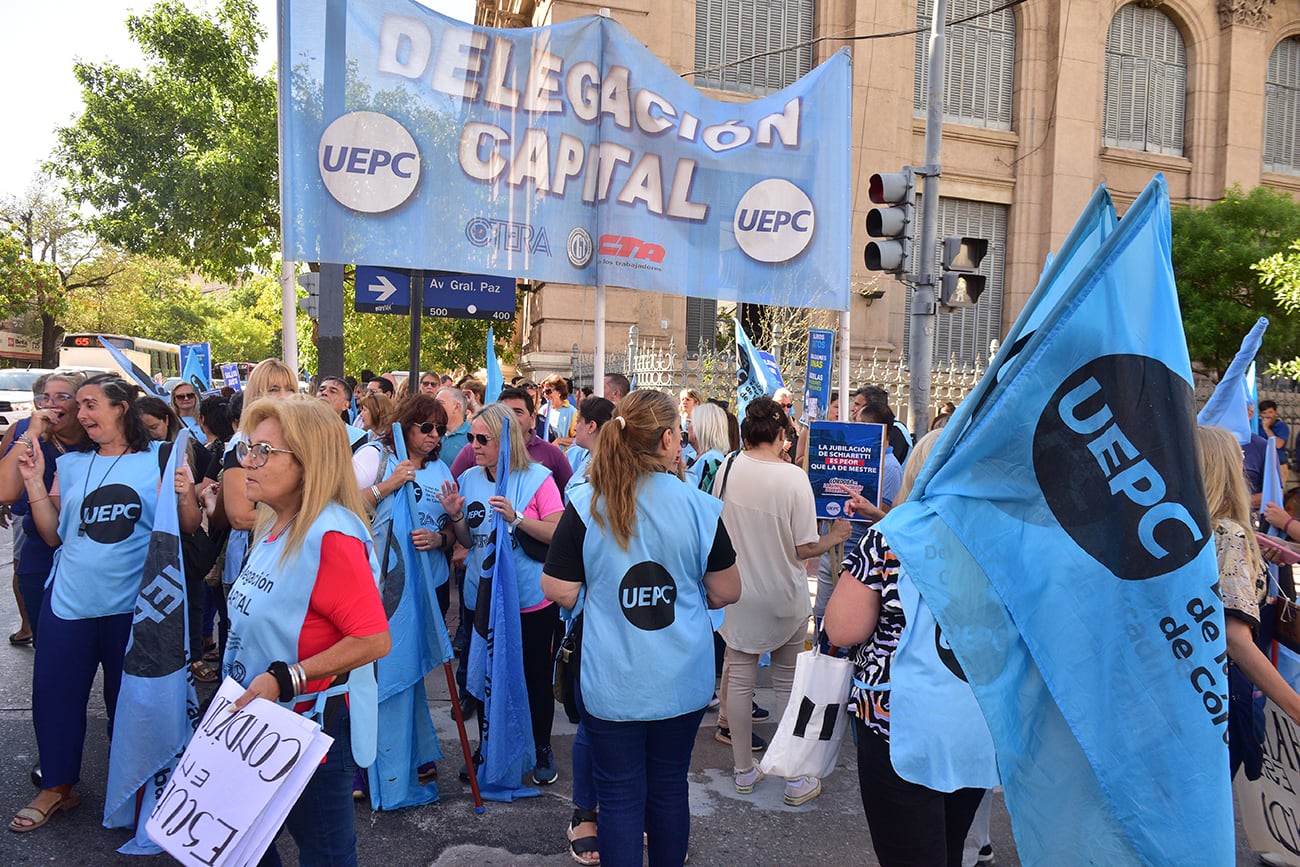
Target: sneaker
x,y
746,780
986,858
714,703
468,707
427,773
723,736
801,790
758,714
478,763
544,773
360,785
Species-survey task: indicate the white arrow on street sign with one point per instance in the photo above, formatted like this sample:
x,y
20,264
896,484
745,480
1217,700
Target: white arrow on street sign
x,y
383,289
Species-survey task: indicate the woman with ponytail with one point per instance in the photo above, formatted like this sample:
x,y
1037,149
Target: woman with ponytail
x,y
653,555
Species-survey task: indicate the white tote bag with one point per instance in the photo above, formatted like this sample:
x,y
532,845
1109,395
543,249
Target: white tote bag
x,y
807,742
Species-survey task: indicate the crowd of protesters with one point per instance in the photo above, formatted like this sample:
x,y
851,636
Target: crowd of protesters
x,y
633,486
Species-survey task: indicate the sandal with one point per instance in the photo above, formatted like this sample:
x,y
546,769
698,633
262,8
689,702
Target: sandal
x,y
204,672
37,817
583,850
210,652
17,639
426,774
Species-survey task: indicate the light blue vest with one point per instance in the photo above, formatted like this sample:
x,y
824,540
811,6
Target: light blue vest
x,y
432,516
695,472
268,606
647,643
559,422
106,511
580,463
476,487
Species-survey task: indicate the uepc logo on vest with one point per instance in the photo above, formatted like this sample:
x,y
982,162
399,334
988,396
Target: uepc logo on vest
x,y
774,221
369,162
109,513
1115,456
648,596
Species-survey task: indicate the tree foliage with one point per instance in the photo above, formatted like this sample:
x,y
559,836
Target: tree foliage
x,y
1215,250
178,159
1281,274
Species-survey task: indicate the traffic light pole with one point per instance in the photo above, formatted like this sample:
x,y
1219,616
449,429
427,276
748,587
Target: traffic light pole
x,y
920,350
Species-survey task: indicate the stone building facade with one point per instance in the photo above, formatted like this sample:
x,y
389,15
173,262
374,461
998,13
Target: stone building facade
x,y
1044,100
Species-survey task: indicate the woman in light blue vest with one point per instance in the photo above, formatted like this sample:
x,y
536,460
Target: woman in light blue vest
x,y
556,411
533,507
654,557
99,512
306,619
707,427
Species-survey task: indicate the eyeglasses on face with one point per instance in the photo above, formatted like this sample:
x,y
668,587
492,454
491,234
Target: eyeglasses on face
x,y
787,405
481,439
255,455
429,427
44,399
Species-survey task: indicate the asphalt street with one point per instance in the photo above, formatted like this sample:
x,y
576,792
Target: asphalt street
x,y
727,828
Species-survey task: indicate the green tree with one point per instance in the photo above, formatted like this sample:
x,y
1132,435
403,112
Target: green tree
x,y
178,160
21,279
1214,253
1281,274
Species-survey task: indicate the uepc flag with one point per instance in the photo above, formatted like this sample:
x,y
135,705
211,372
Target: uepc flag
x,y
156,707
757,374
1065,549
565,153
1228,406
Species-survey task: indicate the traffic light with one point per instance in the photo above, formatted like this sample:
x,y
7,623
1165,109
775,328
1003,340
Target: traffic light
x,y
960,286
311,304
893,224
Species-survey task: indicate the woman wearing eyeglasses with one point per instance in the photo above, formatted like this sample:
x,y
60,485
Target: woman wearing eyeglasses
x,y
557,413
532,507
100,510
52,427
652,554
306,617
185,402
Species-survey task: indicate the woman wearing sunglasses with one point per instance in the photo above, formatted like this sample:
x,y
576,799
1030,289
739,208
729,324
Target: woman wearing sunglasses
x,y
532,507
100,510
308,620
185,402
558,414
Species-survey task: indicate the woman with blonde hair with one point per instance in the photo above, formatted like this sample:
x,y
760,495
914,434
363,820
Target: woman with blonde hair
x,y
1242,585
653,556
532,507
306,639
708,435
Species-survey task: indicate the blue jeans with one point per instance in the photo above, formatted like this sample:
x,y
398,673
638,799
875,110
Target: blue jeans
x,y
323,822
640,771
584,784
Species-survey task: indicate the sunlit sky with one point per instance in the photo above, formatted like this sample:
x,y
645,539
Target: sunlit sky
x,y
42,39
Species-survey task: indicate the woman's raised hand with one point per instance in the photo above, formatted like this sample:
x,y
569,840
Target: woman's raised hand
x,y
452,502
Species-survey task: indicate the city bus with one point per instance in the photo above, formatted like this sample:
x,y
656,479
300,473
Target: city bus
x,y
83,351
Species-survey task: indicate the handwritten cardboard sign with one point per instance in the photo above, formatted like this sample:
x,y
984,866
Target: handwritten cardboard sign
x,y
1270,806
236,782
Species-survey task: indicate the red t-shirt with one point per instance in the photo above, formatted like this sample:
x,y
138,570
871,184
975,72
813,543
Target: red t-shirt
x,y
344,602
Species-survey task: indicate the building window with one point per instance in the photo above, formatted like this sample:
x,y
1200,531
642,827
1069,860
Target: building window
x,y
978,65
701,325
1282,109
964,335
1146,82
728,30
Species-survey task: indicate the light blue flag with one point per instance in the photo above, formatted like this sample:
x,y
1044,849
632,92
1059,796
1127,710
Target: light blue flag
x,y
1271,492
757,373
1252,397
1065,549
420,644
496,664
1226,407
196,365
492,389
928,682
567,153
157,708
134,373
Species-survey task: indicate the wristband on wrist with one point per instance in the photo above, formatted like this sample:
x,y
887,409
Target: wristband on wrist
x,y
280,671
374,489
1286,528
458,518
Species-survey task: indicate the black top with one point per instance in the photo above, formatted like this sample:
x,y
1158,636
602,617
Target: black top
x,y
564,559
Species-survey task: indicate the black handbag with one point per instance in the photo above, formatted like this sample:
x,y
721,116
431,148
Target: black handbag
x,y
568,661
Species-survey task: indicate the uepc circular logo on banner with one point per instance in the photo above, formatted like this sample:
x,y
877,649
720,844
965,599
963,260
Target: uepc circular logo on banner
x,y
774,221
1115,456
109,513
369,162
648,596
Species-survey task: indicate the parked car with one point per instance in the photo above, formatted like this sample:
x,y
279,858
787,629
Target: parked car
x,y
16,395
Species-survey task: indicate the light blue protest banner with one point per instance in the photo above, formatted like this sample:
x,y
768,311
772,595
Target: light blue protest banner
x,y
757,373
565,153
495,382
1064,547
196,365
817,383
1227,406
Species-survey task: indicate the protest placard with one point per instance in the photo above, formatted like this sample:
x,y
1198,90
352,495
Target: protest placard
x,y
240,775
817,383
845,458
1270,806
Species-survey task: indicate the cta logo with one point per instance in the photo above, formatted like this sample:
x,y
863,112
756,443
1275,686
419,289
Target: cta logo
x,y
507,235
369,162
109,514
774,221
627,247
648,596
1116,460
580,248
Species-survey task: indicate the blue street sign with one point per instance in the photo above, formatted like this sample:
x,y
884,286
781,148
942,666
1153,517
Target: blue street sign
x,y
455,296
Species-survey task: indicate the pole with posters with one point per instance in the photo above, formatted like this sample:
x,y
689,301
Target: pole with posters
x,y
417,309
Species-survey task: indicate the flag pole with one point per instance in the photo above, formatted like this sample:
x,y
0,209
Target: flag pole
x,y
598,358
845,317
464,738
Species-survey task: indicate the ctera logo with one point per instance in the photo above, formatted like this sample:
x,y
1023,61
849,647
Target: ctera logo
x,y
1115,458
774,221
369,162
507,235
